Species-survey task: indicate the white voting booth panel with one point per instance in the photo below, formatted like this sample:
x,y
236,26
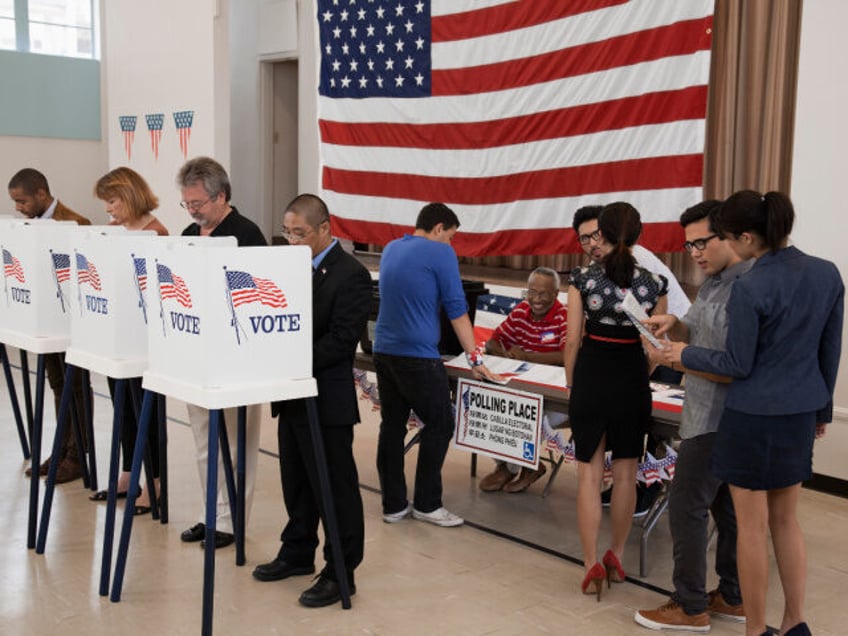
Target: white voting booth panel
x,y
108,307
229,326
36,284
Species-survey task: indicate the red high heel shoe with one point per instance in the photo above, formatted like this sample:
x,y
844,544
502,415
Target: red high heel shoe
x,y
593,581
614,571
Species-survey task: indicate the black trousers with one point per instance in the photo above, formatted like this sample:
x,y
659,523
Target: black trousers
x,y
302,495
694,494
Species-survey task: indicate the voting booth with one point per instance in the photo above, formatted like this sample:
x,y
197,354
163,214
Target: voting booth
x,y
229,326
36,275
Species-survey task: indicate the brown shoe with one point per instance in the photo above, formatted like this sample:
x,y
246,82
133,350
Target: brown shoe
x,y
42,470
68,470
497,479
671,616
526,478
719,608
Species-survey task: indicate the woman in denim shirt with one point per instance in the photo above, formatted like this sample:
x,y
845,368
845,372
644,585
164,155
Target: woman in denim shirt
x,y
783,347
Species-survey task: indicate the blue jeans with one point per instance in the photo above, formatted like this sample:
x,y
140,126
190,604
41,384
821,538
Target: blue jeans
x,y
419,384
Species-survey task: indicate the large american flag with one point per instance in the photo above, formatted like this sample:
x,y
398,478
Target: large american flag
x,y
245,288
87,272
515,114
172,286
12,267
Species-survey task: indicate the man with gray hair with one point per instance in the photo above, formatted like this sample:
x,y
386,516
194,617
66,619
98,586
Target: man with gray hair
x,y
534,331
205,190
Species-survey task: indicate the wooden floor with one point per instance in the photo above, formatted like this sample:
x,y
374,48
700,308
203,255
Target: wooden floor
x,y
510,570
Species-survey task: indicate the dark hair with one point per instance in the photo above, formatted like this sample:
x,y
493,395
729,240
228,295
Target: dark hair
x,y
620,225
30,181
586,213
312,207
434,213
769,215
700,211
207,171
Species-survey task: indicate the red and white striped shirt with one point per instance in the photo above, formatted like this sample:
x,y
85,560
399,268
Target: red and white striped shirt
x,y
521,329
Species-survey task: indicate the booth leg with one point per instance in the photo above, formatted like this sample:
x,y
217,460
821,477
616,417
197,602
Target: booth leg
x,y
36,447
88,419
132,495
146,457
112,499
50,486
25,380
215,419
13,398
227,462
241,460
331,526
161,422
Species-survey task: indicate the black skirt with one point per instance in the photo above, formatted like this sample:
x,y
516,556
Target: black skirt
x,y
764,452
610,394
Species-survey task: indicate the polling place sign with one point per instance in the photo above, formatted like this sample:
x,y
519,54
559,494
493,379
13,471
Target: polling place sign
x,y
499,422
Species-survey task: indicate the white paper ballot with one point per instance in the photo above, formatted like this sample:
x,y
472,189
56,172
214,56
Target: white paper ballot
x,y
637,314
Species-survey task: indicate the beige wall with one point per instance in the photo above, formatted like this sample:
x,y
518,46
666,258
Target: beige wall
x,y
818,180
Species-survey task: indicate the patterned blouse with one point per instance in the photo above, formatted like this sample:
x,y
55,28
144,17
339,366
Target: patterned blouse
x,y
602,298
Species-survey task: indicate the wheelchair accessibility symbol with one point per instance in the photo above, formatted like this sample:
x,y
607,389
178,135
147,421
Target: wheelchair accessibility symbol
x,y
529,452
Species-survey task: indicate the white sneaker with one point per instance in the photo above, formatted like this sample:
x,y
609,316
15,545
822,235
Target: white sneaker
x,y
440,517
394,517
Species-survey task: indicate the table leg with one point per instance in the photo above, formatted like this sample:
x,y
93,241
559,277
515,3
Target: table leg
x,y
161,422
240,489
27,390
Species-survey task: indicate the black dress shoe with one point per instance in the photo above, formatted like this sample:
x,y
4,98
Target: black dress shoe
x,y
196,533
222,539
325,591
277,570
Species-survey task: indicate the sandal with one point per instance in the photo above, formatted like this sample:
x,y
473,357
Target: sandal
x,y
103,495
141,510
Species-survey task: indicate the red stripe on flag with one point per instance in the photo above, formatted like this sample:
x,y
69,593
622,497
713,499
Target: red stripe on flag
x,y
509,17
681,38
653,173
657,237
652,108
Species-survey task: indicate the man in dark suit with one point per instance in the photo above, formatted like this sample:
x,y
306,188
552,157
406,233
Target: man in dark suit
x,y
31,194
341,301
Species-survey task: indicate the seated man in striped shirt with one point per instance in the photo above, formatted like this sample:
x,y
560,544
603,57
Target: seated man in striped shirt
x,y
533,331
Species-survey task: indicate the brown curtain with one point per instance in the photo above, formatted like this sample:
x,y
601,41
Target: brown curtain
x,y
750,115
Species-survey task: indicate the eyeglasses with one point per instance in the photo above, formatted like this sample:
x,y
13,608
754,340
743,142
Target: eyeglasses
x,y
585,238
699,244
296,236
194,206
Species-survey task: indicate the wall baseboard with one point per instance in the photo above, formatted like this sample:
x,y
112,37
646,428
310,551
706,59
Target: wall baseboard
x,y
827,484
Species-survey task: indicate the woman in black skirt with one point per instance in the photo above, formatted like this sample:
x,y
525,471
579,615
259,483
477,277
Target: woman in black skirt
x,y
607,373
784,339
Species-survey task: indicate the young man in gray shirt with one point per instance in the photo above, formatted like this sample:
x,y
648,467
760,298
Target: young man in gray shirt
x,y
694,491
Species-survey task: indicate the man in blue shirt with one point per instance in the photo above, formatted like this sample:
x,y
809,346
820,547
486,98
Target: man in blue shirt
x,y
419,274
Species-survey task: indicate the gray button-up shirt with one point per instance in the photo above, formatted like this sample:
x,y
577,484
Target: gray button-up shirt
x,y
707,323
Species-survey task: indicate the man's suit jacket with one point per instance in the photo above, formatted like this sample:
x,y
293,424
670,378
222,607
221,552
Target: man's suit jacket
x,y
62,213
341,302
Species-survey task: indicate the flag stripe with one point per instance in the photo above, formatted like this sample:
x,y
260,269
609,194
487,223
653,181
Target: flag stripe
x,y
635,174
518,214
475,23
661,237
651,108
677,39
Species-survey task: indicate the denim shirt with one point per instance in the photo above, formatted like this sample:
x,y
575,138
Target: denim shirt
x,y
784,337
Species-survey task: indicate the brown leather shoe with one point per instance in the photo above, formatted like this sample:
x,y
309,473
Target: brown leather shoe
x,y
68,470
42,470
526,478
497,479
